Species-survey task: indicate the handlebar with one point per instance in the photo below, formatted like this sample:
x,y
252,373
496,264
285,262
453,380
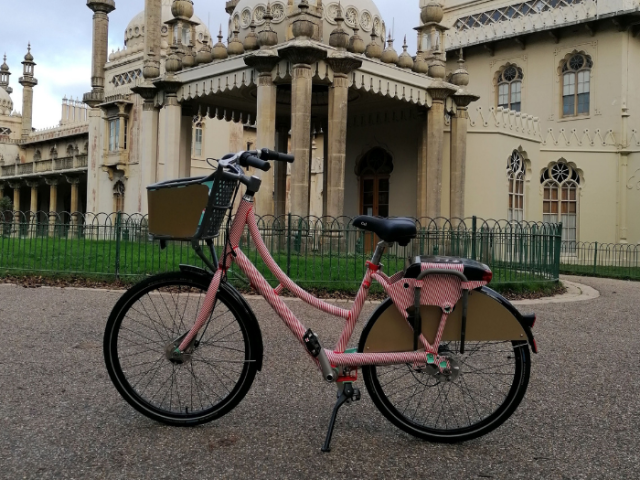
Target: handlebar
x,y
277,156
247,160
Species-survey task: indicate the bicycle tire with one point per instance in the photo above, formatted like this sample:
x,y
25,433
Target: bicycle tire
x,y
439,407
156,312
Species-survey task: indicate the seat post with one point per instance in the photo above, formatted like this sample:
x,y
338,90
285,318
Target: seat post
x,y
377,255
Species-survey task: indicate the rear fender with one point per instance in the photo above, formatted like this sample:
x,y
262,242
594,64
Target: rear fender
x,y
241,303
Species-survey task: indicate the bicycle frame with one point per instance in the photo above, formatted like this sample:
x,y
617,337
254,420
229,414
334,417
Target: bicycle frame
x,y
246,216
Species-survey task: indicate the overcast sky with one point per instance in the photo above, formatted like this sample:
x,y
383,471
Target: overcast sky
x,y
60,36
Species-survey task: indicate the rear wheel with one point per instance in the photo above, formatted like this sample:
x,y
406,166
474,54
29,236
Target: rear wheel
x,y
211,379
490,384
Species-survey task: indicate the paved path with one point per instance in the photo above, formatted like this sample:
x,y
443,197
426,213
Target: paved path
x,y
60,417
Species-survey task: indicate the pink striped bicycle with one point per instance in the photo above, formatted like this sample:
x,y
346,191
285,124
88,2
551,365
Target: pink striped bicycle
x,y
444,358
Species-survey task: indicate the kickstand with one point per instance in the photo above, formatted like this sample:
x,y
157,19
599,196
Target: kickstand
x,y
348,394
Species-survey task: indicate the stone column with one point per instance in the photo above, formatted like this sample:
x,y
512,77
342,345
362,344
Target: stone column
x,y
33,209
101,10
16,206
337,133
28,81
458,153
264,61
280,174
53,203
301,89
152,38
186,142
75,184
169,132
434,145
421,174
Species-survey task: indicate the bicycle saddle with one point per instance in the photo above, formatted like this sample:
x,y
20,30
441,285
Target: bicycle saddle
x,y
401,230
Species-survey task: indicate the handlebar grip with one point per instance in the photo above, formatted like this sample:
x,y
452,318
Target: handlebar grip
x,y
279,157
255,162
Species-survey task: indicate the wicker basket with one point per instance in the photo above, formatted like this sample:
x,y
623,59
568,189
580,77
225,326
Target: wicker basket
x,y
190,208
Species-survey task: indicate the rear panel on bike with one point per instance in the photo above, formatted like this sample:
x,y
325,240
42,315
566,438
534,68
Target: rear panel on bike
x,y
487,320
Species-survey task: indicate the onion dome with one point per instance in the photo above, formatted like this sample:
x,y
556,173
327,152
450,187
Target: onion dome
x,y
28,57
374,49
405,60
251,40
235,45
302,27
204,55
267,37
188,59
339,38
420,65
437,67
174,62
356,43
4,67
432,12
460,77
182,9
389,55
219,50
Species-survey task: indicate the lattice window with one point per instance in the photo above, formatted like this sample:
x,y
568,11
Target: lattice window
x,y
532,7
126,78
509,85
576,85
561,201
516,174
5,131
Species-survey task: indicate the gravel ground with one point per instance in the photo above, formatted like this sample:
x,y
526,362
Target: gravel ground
x,y
60,416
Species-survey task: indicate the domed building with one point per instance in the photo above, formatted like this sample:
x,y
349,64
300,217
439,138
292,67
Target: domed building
x,y
174,96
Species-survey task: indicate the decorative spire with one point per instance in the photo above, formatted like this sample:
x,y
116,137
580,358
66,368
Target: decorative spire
x,y
251,40
374,49
405,60
204,55
4,76
235,45
389,55
356,43
460,77
339,38
267,37
219,50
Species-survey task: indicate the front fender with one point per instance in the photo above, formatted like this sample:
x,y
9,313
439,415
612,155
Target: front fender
x,y
242,304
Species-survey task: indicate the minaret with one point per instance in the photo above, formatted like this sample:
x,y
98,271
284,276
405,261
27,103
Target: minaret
x,y
28,82
4,76
101,10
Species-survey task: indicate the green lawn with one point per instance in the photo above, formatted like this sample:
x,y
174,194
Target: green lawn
x,y
623,273
136,259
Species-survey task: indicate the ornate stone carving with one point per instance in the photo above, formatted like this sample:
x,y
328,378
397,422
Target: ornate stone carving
x,y
303,54
343,63
245,18
263,61
258,14
366,21
439,91
351,17
278,12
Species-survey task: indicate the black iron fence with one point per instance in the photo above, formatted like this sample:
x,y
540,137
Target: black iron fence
x,y
313,251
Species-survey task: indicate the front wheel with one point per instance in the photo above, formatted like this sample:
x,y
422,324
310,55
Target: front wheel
x,y
491,382
212,377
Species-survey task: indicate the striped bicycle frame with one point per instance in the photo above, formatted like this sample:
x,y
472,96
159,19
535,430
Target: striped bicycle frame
x,y
445,292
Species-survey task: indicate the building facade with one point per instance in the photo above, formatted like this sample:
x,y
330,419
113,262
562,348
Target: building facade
x,y
523,111
567,69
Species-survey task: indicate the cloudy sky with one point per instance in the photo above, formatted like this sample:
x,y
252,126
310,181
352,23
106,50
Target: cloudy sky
x,y
60,36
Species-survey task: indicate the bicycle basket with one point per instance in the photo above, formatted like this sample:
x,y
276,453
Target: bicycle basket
x,y
190,208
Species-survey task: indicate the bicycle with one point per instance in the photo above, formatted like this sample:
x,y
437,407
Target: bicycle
x,y
444,358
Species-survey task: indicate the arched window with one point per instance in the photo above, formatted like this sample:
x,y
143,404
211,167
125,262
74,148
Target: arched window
x,y
37,156
516,173
561,183
70,150
198,129
374,170
510,87
576,85
53,153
